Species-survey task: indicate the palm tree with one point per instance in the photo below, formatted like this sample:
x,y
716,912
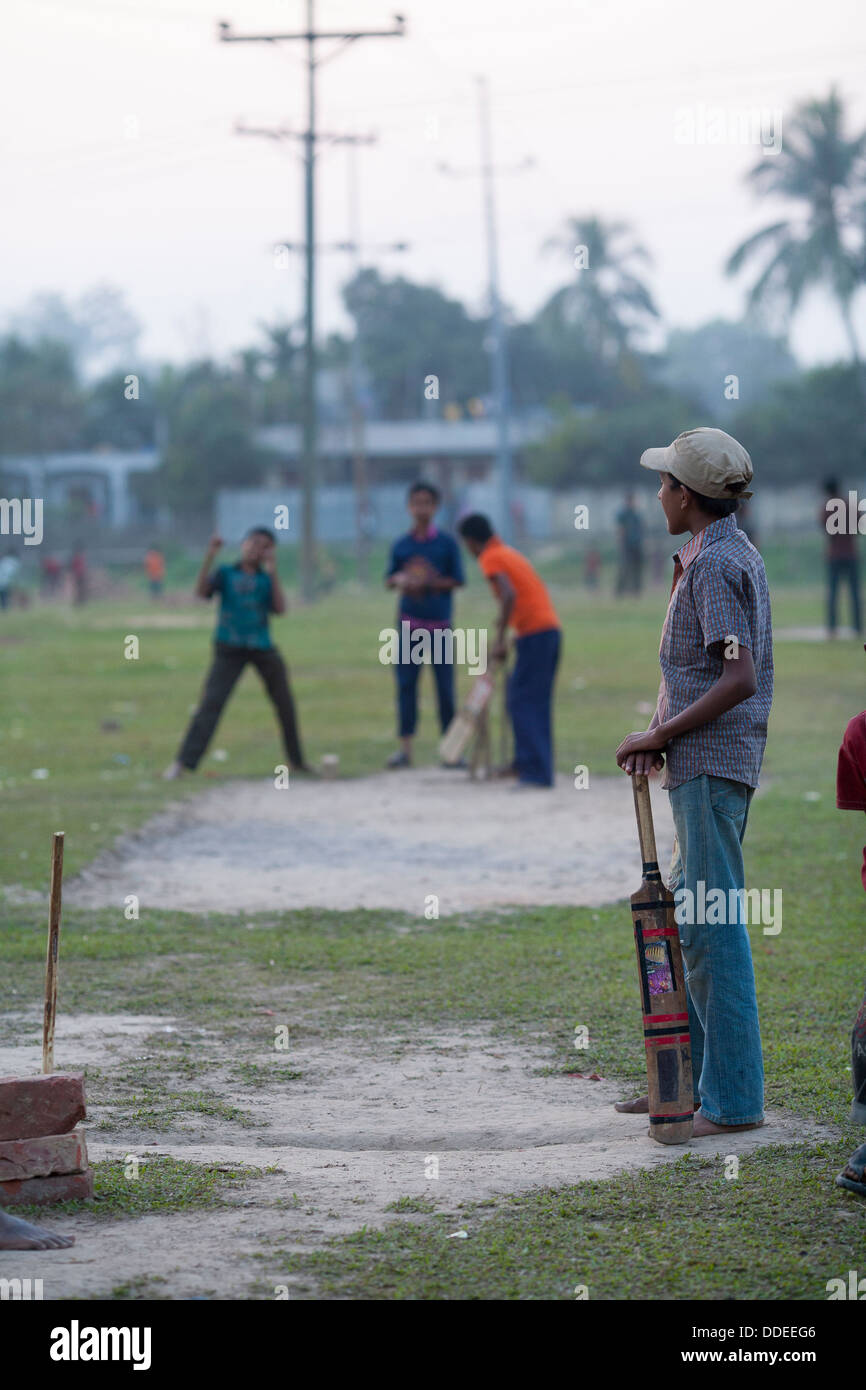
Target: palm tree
x,y
606,298
822,169
281,349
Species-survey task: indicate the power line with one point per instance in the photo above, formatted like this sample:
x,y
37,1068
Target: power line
x,y
311,37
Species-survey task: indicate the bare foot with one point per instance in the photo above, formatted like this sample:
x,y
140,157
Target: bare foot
x,y
173,771
703,1127
638,1106
16,1234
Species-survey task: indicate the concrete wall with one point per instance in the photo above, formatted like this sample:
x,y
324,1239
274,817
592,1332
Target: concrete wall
x,y
545,515
237,509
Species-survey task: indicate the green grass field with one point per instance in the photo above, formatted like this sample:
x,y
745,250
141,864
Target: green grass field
x,y
102,728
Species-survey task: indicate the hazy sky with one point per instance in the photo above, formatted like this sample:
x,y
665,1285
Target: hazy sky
x,y
120,162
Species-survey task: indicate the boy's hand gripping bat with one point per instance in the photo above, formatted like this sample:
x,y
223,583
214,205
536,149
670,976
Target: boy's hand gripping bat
x,y
663,990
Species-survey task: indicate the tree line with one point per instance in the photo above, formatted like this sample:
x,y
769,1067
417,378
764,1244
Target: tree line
x,y
582,358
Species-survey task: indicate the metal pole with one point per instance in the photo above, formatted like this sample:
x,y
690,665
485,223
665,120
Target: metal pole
x,y
308,543
499,359
308,404
359,455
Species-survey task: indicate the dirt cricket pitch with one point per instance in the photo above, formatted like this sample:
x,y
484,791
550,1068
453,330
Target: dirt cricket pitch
x,y
444,1115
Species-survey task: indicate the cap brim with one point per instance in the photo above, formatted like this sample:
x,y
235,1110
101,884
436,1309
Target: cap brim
x,y
656,460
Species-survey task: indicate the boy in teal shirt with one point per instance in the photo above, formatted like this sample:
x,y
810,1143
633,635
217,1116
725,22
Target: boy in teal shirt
x,y
249,592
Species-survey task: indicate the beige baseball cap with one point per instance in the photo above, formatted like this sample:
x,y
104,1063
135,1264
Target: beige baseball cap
x,y
707,460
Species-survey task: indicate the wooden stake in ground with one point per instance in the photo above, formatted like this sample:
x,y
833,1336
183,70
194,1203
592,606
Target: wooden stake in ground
x,y
50,1017
663,990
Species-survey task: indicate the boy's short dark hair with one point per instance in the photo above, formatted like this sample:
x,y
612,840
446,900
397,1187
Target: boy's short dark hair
x,y
422,486
475,527
714,506
261,531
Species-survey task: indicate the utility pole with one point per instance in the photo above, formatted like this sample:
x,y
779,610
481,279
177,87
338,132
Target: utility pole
x,y
354,247
499,347
359,452
356,410
499,362
309,421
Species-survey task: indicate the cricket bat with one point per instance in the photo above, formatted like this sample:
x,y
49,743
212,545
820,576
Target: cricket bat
x,y
663,990
54,905
456,737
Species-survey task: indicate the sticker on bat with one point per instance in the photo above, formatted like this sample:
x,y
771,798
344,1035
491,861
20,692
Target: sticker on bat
x,y
659,968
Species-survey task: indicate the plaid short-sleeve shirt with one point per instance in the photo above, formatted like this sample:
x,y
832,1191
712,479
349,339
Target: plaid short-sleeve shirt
x,y
719,593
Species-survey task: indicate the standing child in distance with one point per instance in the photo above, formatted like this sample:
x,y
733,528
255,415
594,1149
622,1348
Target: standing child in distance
x,y
249,592
424,568
9,567
526,607
716,657
843,566
154,568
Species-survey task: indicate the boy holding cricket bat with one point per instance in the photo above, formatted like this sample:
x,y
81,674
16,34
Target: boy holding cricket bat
x,y
249,592
525,606
716,656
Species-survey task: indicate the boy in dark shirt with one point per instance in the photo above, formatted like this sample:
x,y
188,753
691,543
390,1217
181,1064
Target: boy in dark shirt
x,y
249,592
424,568
842,563
851,796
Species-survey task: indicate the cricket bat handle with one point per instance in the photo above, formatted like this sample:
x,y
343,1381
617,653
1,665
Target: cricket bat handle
x,y
646,833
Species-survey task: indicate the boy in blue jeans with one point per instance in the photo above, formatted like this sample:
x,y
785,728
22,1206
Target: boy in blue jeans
x,y
716,657
425,568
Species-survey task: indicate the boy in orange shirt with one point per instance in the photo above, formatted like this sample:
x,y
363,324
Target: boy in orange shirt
x,y
525,606
154,567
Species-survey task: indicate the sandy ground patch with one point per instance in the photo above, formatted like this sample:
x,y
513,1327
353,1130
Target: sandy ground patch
x,y
159,620
367,1123
811,634
386,841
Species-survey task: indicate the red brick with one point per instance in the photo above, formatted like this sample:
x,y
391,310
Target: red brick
x,y
33,1106
39,1158
63,1187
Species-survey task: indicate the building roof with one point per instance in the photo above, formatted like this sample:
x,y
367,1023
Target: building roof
x,y
404,438
105,461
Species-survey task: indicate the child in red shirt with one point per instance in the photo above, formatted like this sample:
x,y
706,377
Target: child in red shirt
x,y
851,796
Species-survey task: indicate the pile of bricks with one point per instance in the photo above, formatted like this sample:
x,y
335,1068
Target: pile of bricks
x,y
43,1155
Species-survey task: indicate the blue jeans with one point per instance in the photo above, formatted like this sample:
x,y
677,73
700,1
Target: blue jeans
x,y
838,572
710,815
407,673
530,699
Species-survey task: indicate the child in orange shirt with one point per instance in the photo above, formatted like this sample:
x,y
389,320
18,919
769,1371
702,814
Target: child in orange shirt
x,y
524,606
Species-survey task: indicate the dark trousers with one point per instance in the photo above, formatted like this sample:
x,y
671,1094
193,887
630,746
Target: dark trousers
x,y
858,1065
629,579
407,674
838,571
530,705
226,668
